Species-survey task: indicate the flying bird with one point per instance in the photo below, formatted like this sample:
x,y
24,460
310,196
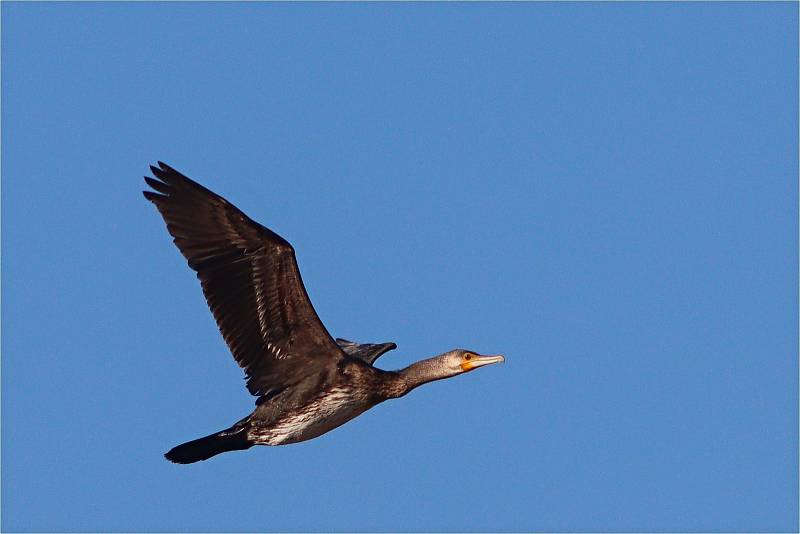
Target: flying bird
x,y
306,382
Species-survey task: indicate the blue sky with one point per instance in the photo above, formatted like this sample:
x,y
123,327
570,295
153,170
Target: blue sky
x,y
605,193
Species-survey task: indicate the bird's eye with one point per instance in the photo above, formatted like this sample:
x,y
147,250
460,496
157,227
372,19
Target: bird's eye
x,y
468,357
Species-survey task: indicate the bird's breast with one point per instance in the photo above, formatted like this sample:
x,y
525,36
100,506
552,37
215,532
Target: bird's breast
x,y
316,417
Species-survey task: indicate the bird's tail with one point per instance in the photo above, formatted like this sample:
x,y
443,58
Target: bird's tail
x,y
232,439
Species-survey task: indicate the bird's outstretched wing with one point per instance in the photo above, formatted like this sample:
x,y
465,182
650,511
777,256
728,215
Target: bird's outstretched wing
x,y
250,278
368,352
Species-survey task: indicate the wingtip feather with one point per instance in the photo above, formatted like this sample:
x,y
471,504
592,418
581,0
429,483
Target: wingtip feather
x,y
152,197
161,187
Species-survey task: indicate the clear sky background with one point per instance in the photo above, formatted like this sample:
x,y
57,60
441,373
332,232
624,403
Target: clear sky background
x,y
605,193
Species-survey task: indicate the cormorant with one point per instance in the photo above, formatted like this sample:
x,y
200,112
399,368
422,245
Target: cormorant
x,y
306,382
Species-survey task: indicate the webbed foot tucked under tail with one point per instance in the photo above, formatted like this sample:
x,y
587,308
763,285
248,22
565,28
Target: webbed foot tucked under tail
x,y
204,448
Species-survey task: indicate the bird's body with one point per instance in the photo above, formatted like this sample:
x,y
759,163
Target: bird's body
x,y
306,382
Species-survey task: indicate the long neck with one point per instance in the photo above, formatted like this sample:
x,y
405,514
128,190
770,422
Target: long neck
x,y
419,373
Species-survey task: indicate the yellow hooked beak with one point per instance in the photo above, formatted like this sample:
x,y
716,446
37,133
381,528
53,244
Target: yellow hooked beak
x,y
479,361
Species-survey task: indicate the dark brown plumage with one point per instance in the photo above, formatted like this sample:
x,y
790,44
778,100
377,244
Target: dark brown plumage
x,y
250,278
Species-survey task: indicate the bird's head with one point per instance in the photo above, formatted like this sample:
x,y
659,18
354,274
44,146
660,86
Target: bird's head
x,y
461,360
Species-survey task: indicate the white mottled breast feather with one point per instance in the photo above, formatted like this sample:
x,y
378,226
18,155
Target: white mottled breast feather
x,y
324,413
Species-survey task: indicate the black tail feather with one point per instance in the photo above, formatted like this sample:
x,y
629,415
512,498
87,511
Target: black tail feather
x,y
204,448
